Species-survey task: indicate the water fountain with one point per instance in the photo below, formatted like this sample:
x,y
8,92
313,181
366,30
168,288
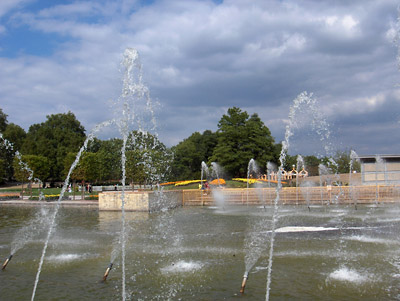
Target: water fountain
x,y
353,158
252,172
26,233
129,111
299,166
320,126
193,253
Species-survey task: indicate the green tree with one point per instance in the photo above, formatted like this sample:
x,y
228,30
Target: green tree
x,y
39,165
240,139
341,162
53,139
16,135
21,170
3,121
311,165
2,171
109,156
147,159
189,154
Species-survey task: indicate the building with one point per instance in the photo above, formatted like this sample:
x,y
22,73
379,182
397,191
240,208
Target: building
x,y
380,170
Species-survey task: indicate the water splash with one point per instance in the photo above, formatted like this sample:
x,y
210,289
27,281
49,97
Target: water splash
x,y
353,194
134,110
379,171
40,220
320,126
216,171
52,219
23,165
252,172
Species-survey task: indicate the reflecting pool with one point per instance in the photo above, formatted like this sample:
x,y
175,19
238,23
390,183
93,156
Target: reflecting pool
x,y
198,253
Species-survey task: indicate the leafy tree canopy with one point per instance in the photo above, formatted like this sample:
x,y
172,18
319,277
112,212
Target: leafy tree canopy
x,y
189,154
241,138
53,139
16,135
3,121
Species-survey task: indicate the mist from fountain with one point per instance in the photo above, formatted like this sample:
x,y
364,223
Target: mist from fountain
x,y
305,187
299,167
353,158
39,222
134,110
52,218
252,172
216,172
320,126
379,169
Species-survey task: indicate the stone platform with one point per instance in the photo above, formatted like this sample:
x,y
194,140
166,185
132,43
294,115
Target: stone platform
x,y
140,200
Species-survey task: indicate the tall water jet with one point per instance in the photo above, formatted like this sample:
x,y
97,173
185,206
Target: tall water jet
x,y
305,189
36,224
379,175
134,110
204,172
252,172
353,159
299,167
320,126
52,219
271,167
216,171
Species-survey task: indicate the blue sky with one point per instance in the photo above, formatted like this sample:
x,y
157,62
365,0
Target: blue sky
x,y
202,57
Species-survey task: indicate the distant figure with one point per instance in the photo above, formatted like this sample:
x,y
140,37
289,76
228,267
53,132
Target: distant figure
x,y
69,188
115,187
90,188
207,187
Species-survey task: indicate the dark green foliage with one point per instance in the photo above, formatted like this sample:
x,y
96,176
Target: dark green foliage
x,y
311,163
147,159
3,121
2,170
189,154
53,139
240,139
39,165
16,135
342,160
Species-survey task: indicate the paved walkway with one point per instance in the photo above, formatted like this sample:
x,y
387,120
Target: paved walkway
x,y
49,203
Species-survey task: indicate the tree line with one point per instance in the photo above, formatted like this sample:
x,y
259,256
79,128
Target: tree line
x,y
49,149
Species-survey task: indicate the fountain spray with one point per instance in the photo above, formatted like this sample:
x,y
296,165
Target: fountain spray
x,y
107,271
245,277
6,262
321,127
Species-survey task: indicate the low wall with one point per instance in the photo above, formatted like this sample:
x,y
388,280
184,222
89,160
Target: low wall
x,y
140,201
155,201
295,195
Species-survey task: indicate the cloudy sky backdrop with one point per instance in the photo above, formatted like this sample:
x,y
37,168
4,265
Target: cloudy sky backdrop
x,y
201,57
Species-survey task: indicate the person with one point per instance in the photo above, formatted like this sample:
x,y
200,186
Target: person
x,y
207,187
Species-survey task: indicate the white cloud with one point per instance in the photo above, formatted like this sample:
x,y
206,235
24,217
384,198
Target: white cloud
x,y
8,5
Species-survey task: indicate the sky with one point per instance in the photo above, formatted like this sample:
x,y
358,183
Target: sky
x,y
200,58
